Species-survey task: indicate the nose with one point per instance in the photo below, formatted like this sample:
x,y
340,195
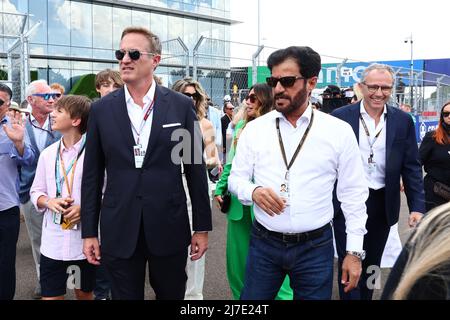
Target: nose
x,y
278,88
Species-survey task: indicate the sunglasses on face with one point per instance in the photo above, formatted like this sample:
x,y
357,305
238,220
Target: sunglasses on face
x,y
372,88
47,96
194,96
445,114
251,97
286,82
133,54
1,102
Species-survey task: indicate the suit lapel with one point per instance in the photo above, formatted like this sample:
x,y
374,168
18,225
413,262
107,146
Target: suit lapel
x,y
159,116
119,110
390,131
354,120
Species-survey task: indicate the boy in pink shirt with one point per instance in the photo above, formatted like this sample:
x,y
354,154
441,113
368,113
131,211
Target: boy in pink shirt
x,y
56,193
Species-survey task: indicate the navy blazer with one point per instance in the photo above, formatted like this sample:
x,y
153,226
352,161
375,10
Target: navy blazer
x,y
153,196
402,158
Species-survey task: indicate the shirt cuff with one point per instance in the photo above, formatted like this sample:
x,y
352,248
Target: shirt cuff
x,y
355,242
248,194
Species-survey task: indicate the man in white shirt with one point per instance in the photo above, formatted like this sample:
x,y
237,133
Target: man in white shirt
x,y
286,164
388,147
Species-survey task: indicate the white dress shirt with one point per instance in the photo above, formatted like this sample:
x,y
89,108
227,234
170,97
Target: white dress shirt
x,y
376,178
136,114
329,153
40,135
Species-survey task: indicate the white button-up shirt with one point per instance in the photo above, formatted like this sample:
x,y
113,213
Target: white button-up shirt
x,y
376,178
136,114
329,153
41,135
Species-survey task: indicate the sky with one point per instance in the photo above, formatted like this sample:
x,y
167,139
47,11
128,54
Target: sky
x,y
364,30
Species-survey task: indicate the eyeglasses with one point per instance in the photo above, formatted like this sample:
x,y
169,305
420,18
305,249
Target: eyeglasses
x,y
445,114
251,97
194,96
1,102
133,54
372,88
47,96
286,82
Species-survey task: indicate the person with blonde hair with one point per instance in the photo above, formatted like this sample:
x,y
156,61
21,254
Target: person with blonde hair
x,y
196,269
422,270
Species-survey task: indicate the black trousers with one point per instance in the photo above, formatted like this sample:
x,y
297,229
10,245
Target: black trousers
x,y
374,243
9,234
167,274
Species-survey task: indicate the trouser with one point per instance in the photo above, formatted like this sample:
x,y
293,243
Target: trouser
x,y
166,273
33,221
308,263
195,270
374,243
9,234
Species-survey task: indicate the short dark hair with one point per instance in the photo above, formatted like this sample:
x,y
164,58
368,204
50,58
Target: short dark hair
x,y
307,59
106,75
5,88
78,107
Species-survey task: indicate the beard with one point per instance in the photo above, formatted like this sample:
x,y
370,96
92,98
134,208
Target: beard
x,y
295,103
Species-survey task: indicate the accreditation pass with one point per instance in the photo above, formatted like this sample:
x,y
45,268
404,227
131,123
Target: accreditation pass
x,y
139,155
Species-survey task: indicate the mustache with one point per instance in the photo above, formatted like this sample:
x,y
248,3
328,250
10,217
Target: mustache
x,y
281,96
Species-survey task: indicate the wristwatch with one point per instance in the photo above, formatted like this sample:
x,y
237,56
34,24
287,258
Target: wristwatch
x,y
360,254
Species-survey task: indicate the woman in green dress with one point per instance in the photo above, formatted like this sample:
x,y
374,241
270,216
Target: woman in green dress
x,y
240,217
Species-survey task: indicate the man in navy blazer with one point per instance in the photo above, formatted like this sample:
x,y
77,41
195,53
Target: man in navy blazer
x,y
387,141
133,133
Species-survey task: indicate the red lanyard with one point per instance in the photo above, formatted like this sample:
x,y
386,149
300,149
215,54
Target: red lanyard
x,y
147,114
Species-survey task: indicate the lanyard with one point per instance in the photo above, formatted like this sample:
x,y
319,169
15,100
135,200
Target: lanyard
x,y
144,120
371,143
49,131
299,147
60,162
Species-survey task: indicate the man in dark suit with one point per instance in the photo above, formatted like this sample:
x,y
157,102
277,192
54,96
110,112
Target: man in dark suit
x,y
133,133
388,146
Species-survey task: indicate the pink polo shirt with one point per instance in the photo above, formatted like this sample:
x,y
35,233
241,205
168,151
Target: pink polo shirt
x,y
56,243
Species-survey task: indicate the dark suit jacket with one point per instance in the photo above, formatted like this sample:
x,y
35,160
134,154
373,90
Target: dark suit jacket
x,y
402,158
152,196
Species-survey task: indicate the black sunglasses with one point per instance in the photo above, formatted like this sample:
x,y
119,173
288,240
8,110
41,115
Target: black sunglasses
x,y
445,114
251,97
1,102
47,96
133,54
194,96
286,82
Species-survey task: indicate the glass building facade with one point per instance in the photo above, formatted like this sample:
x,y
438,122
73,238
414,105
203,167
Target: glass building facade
x,y
80,37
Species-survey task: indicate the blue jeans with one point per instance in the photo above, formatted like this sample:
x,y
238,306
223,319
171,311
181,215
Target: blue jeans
x,y
309,265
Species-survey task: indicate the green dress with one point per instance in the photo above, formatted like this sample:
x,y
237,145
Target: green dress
x,y
240,220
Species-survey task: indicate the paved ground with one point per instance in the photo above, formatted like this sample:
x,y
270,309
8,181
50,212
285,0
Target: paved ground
x,y
216,285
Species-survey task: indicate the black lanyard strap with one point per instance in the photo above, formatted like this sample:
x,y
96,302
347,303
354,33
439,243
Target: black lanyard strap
x,y
371,143
300,145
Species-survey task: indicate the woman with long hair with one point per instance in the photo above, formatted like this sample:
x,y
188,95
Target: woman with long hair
x,y
196,269
422,271
435,157
240,218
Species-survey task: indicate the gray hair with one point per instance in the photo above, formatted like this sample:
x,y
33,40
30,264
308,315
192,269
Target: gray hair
x,y
377,66
33,86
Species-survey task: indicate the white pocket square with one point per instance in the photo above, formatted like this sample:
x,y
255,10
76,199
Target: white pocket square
x,y
170,125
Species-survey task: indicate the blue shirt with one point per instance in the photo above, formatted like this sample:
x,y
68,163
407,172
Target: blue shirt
x,y
214,116
10,160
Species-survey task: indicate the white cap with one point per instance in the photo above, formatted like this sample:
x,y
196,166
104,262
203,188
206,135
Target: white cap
x,y
227,98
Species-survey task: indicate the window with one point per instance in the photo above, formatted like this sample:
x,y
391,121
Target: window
x,y
59,22
81,24
102,27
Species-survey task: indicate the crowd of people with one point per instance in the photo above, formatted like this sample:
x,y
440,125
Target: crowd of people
x,y
124,183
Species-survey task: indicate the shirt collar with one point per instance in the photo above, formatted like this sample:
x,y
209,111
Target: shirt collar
x,y
362,110
36,123
306,115
149,96
76,146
